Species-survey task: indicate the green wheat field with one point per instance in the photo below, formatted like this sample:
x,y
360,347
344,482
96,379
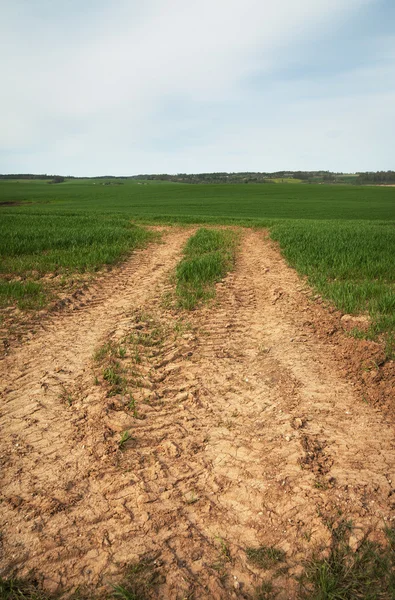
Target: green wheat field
x,y
341,237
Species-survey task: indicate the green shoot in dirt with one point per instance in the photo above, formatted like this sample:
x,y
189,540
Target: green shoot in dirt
x,y
125,437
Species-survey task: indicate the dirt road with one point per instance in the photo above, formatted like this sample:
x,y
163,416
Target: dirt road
x,y
246,435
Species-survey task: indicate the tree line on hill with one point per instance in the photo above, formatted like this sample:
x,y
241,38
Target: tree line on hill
x,y
385,177
370,177
240,177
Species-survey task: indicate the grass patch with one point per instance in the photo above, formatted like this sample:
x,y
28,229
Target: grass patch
x,y
113,372
141,578
19,589
366,574
265,557
113,377
25,294
208,256
264,592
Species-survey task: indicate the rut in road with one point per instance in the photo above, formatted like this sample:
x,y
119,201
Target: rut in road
x,y
40,446
246,436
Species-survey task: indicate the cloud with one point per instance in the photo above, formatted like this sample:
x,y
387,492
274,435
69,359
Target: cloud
x,y
120,87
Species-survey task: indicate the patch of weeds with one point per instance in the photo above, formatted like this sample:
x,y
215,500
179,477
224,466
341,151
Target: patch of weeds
x,y
103,351
181,327
359,334
167,300
137,356
390,535
367,573
125,437
265,557
224,557
132,406
264,591
110,350
19,589
141,578
321,484
147,339
224,549
112,374
14,588
66,397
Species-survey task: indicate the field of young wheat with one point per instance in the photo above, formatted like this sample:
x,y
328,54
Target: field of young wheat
x,y
341,237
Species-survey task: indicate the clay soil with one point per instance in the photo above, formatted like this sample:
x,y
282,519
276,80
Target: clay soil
x,y
253,426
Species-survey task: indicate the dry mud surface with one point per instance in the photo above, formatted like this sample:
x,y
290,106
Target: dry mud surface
x,y
248,434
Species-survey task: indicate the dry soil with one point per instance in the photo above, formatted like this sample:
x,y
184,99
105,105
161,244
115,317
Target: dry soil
x,y
247,433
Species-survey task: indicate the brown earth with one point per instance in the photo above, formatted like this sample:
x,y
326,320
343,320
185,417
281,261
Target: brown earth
x,y
252,428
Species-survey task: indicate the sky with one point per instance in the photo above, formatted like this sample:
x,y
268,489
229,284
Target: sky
x,y
93,87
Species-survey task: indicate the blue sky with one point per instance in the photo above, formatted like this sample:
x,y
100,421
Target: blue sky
x,y
125,87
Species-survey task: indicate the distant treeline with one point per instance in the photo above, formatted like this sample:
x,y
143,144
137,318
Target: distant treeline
x,y
241,177
377,177
26,176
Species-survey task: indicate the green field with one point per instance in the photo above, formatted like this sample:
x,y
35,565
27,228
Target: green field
x,y
249,204
341,237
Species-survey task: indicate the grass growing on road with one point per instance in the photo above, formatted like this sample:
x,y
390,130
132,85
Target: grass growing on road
x,y
208,256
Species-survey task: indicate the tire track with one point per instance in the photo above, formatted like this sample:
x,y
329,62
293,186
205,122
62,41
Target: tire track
x,y
245,435
42,454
